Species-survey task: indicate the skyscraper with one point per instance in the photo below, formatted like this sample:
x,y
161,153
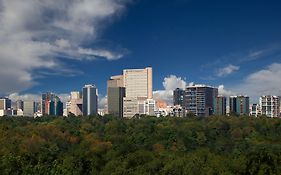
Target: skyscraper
x,y
270,105
115,95
45,103
220,105
5,104
51,104
90,100
138,82
199,99
29,108
178,97
75,104
239,105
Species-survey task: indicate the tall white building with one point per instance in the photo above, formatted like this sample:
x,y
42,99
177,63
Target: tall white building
x,y
138,82
139,95
270,106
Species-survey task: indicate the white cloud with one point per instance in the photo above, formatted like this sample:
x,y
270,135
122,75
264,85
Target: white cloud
x,y
102,102
263,82
224,92
227,70
34,32
170,83
35,97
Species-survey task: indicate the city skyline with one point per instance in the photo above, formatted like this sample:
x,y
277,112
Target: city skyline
x,y
234,45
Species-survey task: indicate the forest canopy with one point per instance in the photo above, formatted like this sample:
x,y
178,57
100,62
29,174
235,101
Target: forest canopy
x,y
147,145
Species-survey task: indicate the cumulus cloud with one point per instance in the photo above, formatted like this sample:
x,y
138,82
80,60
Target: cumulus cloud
x,y
225,92
170,83
102,102
227,70
35,97
34,33
263,82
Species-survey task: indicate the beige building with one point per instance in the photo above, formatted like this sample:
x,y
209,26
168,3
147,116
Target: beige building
x,y
138,82
74,106
115,81
139,95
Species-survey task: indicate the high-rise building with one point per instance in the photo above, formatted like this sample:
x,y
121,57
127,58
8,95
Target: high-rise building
x,y
254,110
115,94
138,82
115,97
199,99
270,106
220,105
74,106
239,105
5,103
138,87
90,100
51,105
46,101
178,97
29,108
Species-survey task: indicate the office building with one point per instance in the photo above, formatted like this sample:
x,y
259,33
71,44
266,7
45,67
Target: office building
x,y
199,99
220,105
115,97
254,110
138,82
90,100
50,105
270,106
5,104
29,108
115,94
74,106
178,97
146,106
138,87
239,105
47,99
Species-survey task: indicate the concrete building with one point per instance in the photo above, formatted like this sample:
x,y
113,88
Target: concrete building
x,y
178,97
29,108
130,108
220,105
270,106
138,85
138,82
239,105
46,101
75,105
90,100
19,105
199,99
254,110
115,94
5,104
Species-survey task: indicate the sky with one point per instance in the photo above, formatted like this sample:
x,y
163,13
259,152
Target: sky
x,y
61,45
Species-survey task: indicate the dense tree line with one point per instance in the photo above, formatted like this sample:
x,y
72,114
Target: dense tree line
x,y
147,145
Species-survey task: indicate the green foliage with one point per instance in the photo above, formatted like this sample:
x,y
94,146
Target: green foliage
x,y
142,145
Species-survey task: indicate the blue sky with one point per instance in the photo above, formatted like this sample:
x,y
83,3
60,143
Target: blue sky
x,y
234,43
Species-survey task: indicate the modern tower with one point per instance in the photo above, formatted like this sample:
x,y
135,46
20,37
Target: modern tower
x,y
220,105
270,106
115,94
90,100
29,108
199,99
178,97
239,105
138,82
